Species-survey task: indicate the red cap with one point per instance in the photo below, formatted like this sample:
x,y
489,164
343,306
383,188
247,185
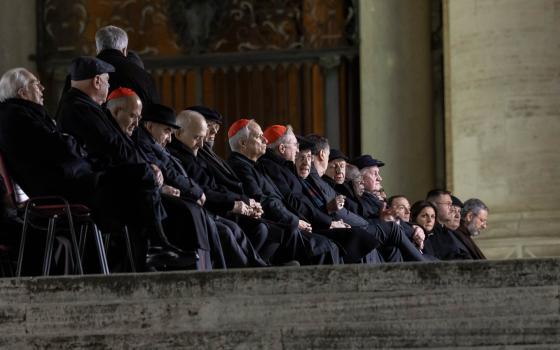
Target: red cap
x,y
120,92
236,126
274,132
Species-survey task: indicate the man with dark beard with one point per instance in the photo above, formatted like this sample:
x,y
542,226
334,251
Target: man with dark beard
x,y
474,219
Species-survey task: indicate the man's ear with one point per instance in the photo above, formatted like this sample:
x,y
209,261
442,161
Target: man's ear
x,y
281,148
321,155
469,217
177,132
21,93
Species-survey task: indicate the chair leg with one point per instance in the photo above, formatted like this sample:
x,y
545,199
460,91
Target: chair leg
x,y
74,242
22,244
82,238
129,249
49,246
101,251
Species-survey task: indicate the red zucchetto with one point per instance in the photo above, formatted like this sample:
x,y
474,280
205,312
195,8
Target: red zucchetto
x,y
274,132
120,92
236,126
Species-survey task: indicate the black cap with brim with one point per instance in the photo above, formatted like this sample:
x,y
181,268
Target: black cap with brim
x,y
365,161
160,114
207,113
336,154
456,202
87,67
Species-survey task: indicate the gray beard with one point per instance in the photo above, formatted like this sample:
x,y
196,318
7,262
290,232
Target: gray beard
x,y
472,229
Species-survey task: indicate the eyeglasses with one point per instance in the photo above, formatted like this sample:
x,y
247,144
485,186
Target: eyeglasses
x,y
308,157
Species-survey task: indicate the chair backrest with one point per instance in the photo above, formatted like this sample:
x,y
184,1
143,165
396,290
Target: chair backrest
x,y
9,197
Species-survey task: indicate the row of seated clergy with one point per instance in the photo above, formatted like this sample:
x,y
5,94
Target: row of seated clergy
x,y
302,170
220,197
63,169
106,136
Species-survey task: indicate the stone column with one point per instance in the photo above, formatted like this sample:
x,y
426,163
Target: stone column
x,y
503,119
18,39
396,93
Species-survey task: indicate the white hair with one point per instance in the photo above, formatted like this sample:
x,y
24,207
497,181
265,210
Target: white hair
x,y
12,81
242,134
111,37
282,139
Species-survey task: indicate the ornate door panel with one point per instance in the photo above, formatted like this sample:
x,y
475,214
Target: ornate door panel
x,y
277,61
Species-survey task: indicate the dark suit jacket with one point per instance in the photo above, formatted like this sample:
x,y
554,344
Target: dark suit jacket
x,y
130,75
444,245
283,175
257,185
173,172
41,159
328,194
223,173
219,199
464,237
96,130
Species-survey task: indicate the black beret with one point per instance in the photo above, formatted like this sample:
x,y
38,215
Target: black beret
x,y
160,114
365,161
336,154
456,202
207,113
87,67
305,144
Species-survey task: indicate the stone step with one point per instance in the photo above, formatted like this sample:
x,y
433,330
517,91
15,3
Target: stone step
x,y
474,305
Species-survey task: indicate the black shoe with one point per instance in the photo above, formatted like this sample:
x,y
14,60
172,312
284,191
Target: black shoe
x,y
162,259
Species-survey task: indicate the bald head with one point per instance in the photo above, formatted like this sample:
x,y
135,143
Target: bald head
x,y
193,130
127,111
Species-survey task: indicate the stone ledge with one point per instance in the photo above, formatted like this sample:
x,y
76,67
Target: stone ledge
x,y
480,304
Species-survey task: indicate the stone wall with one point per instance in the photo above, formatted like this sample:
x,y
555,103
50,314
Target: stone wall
x,y
503,119
465,305
18,37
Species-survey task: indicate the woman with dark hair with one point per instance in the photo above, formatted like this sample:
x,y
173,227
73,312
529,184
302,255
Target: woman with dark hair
x,y
424,214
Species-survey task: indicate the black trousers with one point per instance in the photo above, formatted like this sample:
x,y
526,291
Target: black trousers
x,y
237,248
355,242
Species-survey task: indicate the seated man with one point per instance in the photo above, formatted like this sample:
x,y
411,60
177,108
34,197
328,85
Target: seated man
x,y
152,136
182,198
443,244
82,115
455,216
248,145
65,172
225,190
387,233
474,218
278,163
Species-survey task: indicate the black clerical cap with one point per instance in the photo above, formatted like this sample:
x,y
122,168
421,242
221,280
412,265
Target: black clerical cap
x,y
336,154
305,144
456,202
160,114
87,67
208,114
365,161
